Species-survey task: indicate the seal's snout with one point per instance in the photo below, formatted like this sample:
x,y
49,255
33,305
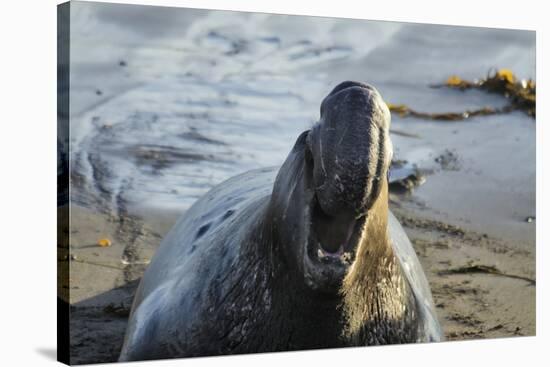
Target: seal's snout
x,y
351,149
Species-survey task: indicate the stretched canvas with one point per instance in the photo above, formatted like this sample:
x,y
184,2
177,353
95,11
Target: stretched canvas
x,y
234,183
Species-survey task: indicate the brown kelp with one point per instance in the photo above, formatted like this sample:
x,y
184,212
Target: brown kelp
x,y
521,95
406,111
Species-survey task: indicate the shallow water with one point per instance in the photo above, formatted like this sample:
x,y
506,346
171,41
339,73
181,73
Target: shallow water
x,y
167,102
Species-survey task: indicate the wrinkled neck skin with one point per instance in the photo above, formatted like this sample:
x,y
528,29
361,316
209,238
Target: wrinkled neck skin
x,y
299,318
372,306
375,293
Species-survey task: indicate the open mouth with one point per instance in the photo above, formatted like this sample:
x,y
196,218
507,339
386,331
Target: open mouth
x,y
335,237
330,246
331,239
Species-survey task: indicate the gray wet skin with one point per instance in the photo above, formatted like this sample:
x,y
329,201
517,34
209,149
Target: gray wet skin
x,y
259,262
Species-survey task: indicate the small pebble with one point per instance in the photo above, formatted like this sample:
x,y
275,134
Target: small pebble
x,y
104,242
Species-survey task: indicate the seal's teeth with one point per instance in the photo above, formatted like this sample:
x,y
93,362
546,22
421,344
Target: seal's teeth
x,y
346,257
320,253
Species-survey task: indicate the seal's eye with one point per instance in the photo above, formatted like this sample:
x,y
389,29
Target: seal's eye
x,y
308,154
308,157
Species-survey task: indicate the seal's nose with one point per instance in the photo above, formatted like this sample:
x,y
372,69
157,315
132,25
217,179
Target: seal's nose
x,y
350,148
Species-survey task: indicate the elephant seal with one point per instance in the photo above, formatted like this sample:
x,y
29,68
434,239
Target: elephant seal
x,y
302,257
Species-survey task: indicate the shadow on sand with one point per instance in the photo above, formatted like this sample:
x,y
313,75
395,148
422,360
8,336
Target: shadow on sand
x,y
97,326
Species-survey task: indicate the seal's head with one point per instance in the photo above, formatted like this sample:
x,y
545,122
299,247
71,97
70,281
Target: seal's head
x,y
337,171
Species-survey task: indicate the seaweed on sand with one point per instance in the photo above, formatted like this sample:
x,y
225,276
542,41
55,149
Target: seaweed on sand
x,y
405,111
521,95
486,269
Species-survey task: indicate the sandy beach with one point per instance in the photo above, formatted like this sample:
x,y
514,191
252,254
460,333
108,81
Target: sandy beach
x,y
469,306
163,112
